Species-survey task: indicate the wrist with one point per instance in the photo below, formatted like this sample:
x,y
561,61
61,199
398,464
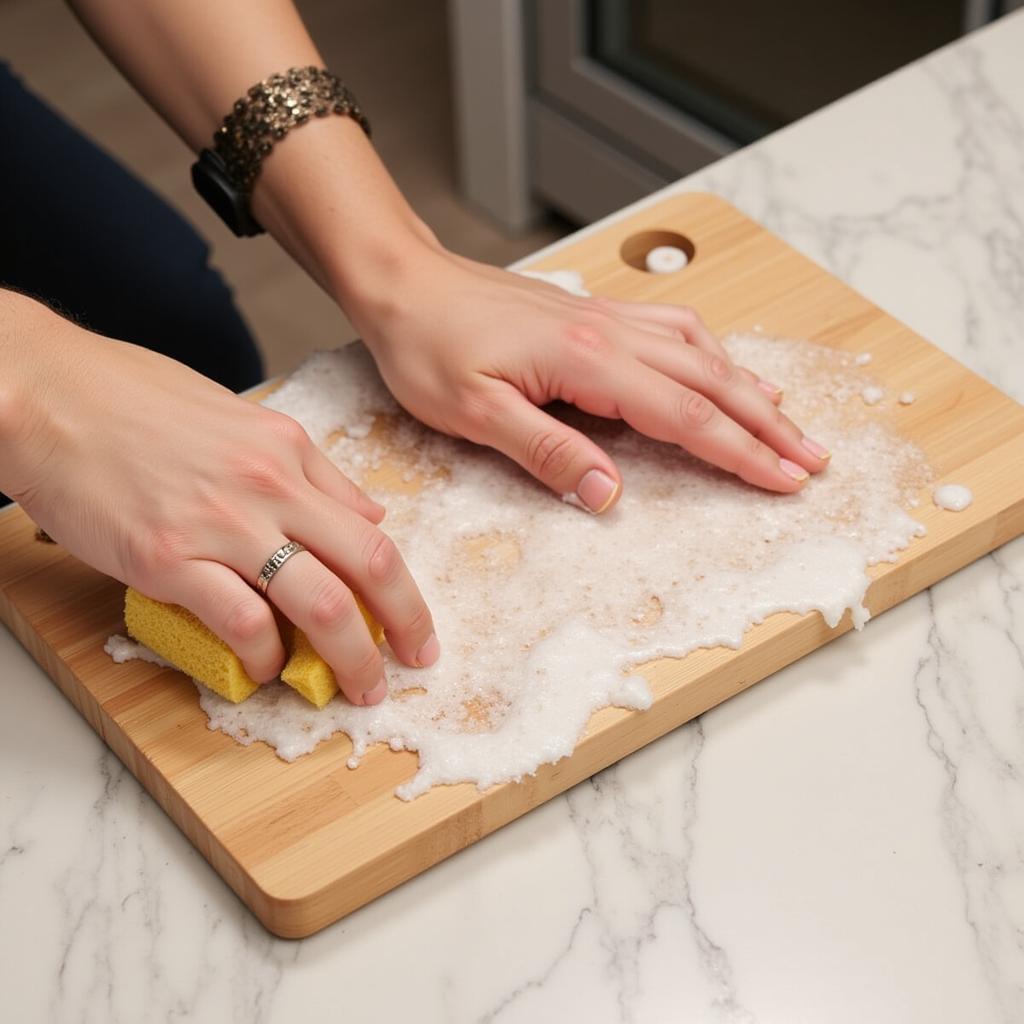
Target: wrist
x,y
35,343
324,194
375,278
22,328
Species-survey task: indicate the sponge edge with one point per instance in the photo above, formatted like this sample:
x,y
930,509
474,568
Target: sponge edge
x,y
309,674
181,638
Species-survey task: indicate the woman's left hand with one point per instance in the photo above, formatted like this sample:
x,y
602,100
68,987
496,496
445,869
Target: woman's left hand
x,y
475,352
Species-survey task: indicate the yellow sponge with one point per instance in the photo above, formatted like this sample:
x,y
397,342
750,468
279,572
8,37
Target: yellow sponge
x,y
179,637
309,674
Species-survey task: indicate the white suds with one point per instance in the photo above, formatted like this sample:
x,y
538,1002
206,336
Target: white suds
x,y
665,259
568,280
573,499
954,497
542,612
346,382
863,359
907,398
123,648
872,395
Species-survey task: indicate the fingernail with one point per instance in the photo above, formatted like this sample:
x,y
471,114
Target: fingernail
x,y
819,451
771,389
791,469
597,490
377,694
429,652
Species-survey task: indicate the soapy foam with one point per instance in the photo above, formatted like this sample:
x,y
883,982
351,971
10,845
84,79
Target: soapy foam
x,y
907,398
573,499
863,359
543,611
872,395
123,648
953,497
665,259
568,280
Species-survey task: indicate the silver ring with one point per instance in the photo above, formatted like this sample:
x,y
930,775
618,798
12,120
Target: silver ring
x,y
274,562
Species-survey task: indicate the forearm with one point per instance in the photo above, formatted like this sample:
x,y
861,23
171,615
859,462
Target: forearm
x,y
322,192
35,348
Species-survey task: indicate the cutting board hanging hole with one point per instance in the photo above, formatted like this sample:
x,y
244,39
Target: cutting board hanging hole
x,y
658,252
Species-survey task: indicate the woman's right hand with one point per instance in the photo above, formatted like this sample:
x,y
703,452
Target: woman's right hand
x,y
161,478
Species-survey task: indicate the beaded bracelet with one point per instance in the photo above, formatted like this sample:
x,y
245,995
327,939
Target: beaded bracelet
x,y
270,110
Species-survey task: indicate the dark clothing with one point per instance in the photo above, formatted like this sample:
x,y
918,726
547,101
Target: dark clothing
x,y
78,231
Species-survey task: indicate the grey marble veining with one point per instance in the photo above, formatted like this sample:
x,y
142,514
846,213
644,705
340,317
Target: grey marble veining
x,y
844,842
956,239
972,703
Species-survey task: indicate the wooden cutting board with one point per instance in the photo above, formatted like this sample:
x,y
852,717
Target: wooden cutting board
x,y
304,844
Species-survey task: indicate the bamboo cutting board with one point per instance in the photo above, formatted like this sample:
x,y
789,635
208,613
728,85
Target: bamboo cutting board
x,y
305,843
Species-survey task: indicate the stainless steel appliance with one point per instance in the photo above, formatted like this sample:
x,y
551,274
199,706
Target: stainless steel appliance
x,y
585,105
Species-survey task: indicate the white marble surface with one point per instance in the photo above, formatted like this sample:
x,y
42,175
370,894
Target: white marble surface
x,y
842,843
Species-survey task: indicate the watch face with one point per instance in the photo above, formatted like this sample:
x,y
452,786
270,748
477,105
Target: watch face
x,y
211,182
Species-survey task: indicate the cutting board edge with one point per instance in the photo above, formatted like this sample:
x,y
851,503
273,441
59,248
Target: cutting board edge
x,y
300,914
127,751
649,218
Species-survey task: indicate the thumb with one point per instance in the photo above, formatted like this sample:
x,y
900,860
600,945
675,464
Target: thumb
x,y
561,458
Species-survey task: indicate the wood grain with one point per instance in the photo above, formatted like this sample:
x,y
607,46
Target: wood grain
x,y
303,844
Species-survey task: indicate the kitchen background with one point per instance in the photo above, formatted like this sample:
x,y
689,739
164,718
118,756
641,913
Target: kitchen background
x,y
615,98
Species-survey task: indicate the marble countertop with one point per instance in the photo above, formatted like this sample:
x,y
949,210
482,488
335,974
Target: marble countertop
x,y
841,843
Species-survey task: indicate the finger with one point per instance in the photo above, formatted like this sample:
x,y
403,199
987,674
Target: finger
x,y
713,348
558,456
225,603
687,321
667,411
773,391
684,319
736,396
327,478
320,604
368,560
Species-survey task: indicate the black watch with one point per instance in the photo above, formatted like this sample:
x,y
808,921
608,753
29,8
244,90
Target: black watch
x,y
211,181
